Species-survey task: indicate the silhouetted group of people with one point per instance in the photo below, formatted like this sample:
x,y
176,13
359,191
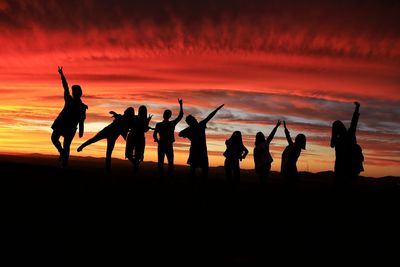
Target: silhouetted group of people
x,y
348,164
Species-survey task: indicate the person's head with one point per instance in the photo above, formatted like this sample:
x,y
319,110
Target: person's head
x,y
260,137
236,137
191,121
142,113
167,114
129,112
338,130
76,91
300,141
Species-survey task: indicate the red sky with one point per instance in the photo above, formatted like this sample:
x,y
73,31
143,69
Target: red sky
x,y
266,60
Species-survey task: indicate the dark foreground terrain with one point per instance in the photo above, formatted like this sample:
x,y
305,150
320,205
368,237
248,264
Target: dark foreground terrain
x,y
81,215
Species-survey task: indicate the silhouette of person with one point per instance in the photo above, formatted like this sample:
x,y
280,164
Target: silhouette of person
x,y
72,115
136,140
235,152
120,126
196,133
164,136
262,156
349,157
291,154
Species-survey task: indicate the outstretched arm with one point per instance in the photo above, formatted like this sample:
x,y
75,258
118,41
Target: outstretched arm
x,y
354,119
67,94
212,114
180,116
272,134
287,134
115,114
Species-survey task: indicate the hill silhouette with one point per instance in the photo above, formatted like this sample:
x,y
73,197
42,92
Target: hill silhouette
x,y
62,215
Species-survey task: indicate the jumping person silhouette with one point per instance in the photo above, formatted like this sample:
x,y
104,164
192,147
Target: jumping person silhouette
x,y
120,126
73,114
136,140
196,133
349,157
235,152
291,154
262,156
164,136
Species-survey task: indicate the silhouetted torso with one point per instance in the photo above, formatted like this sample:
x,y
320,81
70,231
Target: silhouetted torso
x,y
74,111
289,160
166,130
262,155
198,156
234,150
120,125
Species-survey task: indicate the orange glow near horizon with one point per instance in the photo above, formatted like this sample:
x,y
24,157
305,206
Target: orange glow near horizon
x,y
261,68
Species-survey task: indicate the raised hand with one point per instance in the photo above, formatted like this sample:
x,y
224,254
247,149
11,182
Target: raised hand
x,y
357,104
218,108
278,123
60,70
180,101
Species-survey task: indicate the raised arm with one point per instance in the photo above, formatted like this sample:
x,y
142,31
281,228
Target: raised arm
x,y
212,114
180,116
272,134
287,134
147,123
67,94
354,119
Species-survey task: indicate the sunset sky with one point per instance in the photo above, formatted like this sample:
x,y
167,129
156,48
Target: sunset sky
x,y
305,62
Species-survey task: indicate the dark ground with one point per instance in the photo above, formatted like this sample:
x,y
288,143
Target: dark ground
x,y
82,215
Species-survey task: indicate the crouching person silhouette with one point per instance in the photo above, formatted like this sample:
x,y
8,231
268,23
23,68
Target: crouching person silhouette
x,y
291,154
120,126
164,136
72,115
235,152
196,133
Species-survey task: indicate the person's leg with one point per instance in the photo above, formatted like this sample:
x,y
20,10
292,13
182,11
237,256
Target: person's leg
x,y
55,138
267,170
110,147
264,173
99,136
161,155
192,172
67,146
204,171
129,147
228,170
236,170
170,157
